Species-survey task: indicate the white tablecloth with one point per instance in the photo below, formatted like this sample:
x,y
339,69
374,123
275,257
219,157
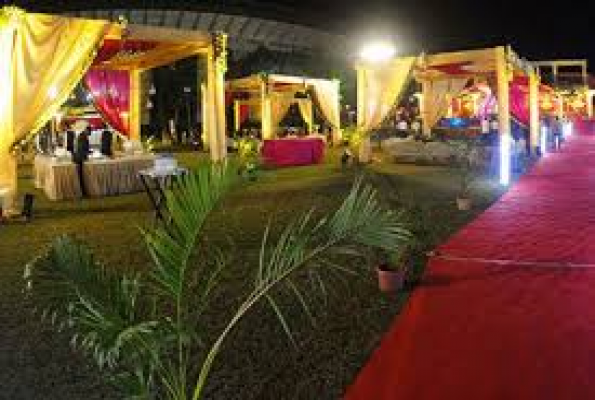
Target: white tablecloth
x,y
108,177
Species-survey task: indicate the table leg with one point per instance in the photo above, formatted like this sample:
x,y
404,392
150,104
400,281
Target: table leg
x,y
155,200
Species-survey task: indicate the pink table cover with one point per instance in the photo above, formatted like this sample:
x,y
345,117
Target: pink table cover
x,y
288,152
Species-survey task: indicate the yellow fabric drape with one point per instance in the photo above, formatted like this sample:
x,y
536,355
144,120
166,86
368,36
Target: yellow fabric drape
x,y
279,106
437,96
305,106
8,177
327,97
380,90
43,58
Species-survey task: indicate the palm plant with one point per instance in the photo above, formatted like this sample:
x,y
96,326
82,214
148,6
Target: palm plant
x,y
465,164
145,330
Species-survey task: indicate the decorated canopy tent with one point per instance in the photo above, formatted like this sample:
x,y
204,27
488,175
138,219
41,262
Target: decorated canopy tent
x,y
570,80
479,100
272,95
444,76
46,56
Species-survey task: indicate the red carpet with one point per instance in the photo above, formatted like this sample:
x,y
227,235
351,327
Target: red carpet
x,y
507,308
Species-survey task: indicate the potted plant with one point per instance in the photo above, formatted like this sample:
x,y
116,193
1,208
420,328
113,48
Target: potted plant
x,y
465,165
249,156
356,144
392,271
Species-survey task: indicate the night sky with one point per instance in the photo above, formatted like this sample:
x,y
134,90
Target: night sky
x,y
536,30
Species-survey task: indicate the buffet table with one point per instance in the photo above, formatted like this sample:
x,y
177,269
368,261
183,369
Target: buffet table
x,y
58,179
290,152
103,177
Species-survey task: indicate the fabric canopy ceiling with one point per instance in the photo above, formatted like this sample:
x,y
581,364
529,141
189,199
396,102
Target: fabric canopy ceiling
x,y
111,48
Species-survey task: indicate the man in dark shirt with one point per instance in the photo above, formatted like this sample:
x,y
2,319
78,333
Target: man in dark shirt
x,y
106,143
70,136
81,155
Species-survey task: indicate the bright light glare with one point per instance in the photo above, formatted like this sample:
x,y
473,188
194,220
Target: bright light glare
x,y
53,92
543,142
505,160
378,52
567,129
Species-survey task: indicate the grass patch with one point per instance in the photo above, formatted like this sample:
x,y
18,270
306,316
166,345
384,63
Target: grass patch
x,y
259,363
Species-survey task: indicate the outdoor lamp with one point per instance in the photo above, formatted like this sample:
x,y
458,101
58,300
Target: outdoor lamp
x,y
378,52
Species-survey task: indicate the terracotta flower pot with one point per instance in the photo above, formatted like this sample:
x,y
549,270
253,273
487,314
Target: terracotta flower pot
x,y
390,281
463,204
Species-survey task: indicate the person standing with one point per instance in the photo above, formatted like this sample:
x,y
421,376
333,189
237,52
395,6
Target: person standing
x,y
107,143
80,156
70,138
485,126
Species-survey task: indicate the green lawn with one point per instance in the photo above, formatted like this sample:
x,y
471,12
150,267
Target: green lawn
x,y
258,362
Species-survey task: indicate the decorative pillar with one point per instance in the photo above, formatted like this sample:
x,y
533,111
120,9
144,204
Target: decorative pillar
x,y
216,67
204,104
337,134
265,104
426,88
310,117
236,115
134,112
534,110
502,76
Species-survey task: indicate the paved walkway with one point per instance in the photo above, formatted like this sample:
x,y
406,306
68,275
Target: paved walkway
x,y
507,307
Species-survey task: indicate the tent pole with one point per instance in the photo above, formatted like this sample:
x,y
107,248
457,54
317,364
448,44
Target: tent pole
x,y
502,76
265,101
533,110
216,66
135,110
236,115
425,91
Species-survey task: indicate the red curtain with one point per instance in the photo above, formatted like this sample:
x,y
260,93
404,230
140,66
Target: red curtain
x,y
110,91
519,99
244,113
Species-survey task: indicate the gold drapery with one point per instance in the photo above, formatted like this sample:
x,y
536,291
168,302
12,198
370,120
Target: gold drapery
x,y
380,89
44,57
305,106
280,104
437,96
327,97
